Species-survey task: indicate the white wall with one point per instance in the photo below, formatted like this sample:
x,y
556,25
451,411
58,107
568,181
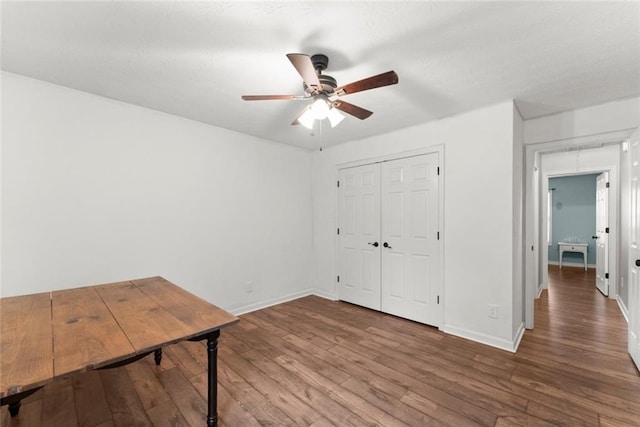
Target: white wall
x,y
478,208
595,120
95,190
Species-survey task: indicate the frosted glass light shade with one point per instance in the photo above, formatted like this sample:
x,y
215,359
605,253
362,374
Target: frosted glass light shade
x,y
320,109
335,117
306,119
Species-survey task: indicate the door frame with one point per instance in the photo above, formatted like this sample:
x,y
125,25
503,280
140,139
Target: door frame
x,y
533,186
614,223
395,156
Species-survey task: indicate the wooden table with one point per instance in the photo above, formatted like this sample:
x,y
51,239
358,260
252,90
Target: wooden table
x,y
62,333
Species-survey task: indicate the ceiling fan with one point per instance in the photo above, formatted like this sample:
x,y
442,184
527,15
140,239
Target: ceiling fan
x,y
325,92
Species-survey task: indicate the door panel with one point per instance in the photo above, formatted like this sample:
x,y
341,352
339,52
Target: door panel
x,y
410,276
602,241
634,252
359,221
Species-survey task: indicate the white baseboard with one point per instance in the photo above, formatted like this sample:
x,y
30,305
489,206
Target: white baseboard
x,y
270,302
623,309
482,338
325,295
518,337
279,300
571,264
540,289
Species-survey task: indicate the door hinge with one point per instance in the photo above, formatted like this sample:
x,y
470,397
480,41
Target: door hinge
x,y
607,185
338,231
606,275
438,299
338,184
438,235
438,170
606,230
338,279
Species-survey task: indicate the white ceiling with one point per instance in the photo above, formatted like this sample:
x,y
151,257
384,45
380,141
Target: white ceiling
x,y
195,59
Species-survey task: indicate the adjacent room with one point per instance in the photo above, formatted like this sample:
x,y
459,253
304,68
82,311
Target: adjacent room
x,y
319,213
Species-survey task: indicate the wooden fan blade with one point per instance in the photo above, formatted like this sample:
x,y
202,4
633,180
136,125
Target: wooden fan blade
x,y
384,79
270,97
304,67
354,110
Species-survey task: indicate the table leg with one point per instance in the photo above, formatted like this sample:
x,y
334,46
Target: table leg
x,y
14,408
212,395
14,400
157,356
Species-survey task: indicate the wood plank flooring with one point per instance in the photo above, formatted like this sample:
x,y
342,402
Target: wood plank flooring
x,y
313,362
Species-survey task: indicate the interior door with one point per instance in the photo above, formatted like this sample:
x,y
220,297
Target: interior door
x,y
634,252
602,234
410,252
358,235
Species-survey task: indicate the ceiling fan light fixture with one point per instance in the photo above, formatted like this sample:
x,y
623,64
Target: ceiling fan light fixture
x,y
306,119
320,108
335,117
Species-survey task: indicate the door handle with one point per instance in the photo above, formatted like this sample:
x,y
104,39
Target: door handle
x,y
386,245
638,263
594,237
374,244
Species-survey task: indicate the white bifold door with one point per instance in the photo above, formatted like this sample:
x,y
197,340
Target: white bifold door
x,y
389,241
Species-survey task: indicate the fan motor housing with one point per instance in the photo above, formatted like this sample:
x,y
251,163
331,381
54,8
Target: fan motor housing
x,y
320,63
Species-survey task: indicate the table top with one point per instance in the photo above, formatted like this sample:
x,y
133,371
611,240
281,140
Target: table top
x,y
59,333
572,244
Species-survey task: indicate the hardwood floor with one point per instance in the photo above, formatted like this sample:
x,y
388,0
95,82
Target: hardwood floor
x,y
321,363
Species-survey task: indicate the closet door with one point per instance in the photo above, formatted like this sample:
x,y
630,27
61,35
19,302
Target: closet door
x,y
359,235
410,242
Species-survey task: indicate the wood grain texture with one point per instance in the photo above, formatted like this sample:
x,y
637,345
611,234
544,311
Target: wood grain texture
x,y
26,355
325,363
85,334
197,314
144,323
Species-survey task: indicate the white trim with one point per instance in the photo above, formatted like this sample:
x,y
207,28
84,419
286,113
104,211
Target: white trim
x,y
518,337
540,289
481,338
623,309
271,302
393,156
571,264
280,300
326,295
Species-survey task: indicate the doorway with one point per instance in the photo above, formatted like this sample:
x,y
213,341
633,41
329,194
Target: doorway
x,y
581,162
577,225
583,155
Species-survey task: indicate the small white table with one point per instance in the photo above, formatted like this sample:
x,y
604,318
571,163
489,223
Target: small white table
x,y
573,247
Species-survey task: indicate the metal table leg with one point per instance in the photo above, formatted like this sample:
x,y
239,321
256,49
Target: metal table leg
x,y
212,395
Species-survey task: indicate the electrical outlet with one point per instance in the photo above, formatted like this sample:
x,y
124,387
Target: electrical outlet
x,y
249,286
494,311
